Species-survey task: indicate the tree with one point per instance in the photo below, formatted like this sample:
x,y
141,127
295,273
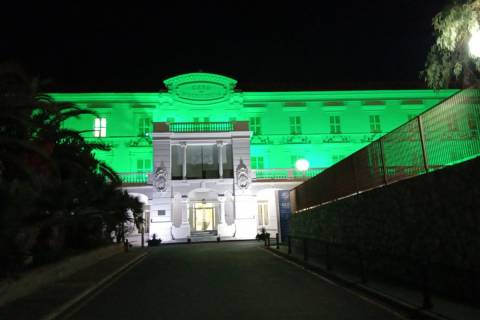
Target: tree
x,y
55,195
449,62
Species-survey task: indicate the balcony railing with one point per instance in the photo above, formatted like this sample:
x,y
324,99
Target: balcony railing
x,y
134,177
201,127
284,174
257,175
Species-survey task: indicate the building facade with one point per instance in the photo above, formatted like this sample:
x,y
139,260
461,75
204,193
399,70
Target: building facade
x,y
207,158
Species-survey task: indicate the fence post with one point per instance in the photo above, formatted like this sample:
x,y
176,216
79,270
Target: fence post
x,y
328,261
268,239
289,245
384,168
422,140
427,295
305,249
363,271
265,239
277,241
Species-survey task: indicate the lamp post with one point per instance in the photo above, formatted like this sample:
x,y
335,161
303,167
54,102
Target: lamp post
x,y
474,43
302,165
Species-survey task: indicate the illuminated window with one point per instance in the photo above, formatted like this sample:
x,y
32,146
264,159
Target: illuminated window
x,y
295,125
262,213
375,123
144,165
100,127
335,124
452,122
256,162
144,126
255,125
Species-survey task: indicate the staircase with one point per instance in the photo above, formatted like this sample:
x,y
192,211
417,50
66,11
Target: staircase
x,y
202,236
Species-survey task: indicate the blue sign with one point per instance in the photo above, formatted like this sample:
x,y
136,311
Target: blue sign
x,y
285,212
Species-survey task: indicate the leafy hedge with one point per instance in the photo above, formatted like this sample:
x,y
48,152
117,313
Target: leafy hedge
x,y
433,219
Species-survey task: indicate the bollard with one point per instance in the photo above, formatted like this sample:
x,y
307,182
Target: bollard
x,y
277,239
427,295
305,249
268,239
328,261
289,245
125,245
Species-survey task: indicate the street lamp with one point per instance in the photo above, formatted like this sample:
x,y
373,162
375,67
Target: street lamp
x,y
302,165
474,43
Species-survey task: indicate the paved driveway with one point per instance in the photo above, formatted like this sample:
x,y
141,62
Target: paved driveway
x,y
234,280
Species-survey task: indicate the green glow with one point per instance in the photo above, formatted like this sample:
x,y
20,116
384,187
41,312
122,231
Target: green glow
x,y
320,126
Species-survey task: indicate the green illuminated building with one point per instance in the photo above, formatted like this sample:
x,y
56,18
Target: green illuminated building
x,y
221,154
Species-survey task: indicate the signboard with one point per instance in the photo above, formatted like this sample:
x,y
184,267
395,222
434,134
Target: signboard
x,y
285,213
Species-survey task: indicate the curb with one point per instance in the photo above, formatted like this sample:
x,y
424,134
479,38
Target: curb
x,y
69,304
391,302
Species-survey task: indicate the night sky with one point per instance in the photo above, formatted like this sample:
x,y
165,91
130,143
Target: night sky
x,y
343,45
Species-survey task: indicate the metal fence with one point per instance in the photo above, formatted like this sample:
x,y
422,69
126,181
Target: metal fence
x,y
416,273
445,134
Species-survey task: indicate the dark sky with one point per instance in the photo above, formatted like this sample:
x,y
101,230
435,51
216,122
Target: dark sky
x,y
75,46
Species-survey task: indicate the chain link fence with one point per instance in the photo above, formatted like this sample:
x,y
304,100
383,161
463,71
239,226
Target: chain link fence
x,y
445,134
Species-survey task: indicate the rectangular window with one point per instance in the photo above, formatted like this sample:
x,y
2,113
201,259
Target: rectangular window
x,y
100,127
452,123
256,162
335,124
255,126
375,123
144,126
295,125
262,213
144,165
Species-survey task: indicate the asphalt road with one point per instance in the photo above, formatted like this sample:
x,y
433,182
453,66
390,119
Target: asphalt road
x,y
235,280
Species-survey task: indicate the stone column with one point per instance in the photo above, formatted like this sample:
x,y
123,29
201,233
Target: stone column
x,y
220,158
184,164
184,202
221,199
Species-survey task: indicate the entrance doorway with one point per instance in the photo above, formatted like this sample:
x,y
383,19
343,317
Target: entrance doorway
x,y
203,217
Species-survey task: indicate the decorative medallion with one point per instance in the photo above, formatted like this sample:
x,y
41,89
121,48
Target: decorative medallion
x,y
200,87
243,180
160,179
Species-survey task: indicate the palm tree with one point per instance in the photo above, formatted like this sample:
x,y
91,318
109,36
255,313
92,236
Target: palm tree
x,y
54,194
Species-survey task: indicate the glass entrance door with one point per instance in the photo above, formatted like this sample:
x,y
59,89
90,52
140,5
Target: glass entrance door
x,y
204,217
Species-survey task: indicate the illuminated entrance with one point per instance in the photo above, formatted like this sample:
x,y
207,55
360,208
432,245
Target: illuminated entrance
x,y
202,217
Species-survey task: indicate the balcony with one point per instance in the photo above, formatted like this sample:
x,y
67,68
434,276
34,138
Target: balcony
x,y
278,174
134,178
287,174
200,127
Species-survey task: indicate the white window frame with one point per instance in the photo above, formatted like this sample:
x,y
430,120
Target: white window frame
x,y
100,127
